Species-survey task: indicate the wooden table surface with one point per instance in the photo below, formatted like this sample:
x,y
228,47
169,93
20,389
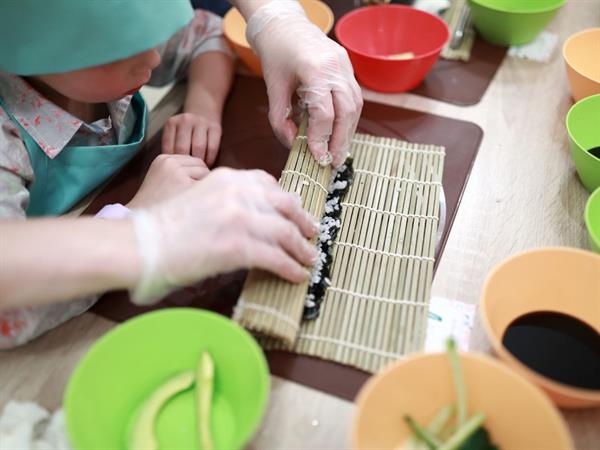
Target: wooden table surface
x,y
523,193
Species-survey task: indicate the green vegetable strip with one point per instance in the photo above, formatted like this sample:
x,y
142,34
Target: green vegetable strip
x,y
432,442
440,420
459,383
414,443
463,433
205,380
435,426
143,433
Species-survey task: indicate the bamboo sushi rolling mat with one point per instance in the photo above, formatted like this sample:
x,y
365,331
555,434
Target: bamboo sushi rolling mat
x,y
452,18
375,310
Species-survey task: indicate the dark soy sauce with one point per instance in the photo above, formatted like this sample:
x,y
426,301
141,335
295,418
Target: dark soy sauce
x,y
595,151
558,346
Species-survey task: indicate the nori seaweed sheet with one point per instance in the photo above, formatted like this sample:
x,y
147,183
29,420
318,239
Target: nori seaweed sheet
x,y
330,226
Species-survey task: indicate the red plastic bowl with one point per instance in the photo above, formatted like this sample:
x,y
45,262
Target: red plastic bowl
x,y
374,33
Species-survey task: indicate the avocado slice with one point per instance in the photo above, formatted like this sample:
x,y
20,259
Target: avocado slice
x,y
205,375
143,436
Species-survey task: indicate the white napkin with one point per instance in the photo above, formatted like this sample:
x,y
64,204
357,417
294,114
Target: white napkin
x,y
432,6
28,426
540,49
448,318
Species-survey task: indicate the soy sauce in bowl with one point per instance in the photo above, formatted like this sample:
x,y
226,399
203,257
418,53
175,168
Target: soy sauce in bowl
x,y
557,346
595,152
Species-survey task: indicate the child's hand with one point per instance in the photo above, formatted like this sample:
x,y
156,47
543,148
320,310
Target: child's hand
x,y
168,175
192,134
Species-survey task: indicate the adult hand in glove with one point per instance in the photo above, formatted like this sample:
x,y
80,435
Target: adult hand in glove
x,y
298,57
229,220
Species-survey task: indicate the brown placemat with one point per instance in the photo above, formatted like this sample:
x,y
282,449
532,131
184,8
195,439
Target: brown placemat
x,y
248,142
457,82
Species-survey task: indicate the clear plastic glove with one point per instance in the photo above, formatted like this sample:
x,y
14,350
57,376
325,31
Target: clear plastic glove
x,y
228,221
193,134
168,175
297,57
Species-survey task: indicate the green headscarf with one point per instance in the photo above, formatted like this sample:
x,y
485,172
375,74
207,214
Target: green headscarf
x,y
50,36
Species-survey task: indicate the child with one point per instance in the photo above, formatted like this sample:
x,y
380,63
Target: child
x,y
70,114
84,59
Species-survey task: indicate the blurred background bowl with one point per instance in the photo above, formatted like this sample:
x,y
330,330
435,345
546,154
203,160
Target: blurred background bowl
x,y
518,415
512,22
234,29
375,36
592,220
563,280
131,361
581,53
583,126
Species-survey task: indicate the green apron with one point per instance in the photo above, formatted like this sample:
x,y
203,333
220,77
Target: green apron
x,y
76,171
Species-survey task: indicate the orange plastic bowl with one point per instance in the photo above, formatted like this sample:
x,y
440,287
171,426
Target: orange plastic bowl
x,y
234,29
581,53
564,280
375,35
518,415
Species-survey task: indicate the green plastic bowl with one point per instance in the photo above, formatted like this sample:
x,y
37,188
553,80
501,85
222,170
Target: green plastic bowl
x,y
130,362
583,125
512,22
592,220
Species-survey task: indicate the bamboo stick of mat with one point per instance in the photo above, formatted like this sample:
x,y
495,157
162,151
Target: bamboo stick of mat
x,y
268,305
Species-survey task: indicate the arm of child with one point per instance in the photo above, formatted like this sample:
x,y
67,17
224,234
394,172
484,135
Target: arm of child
x,y
200,53
197,131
